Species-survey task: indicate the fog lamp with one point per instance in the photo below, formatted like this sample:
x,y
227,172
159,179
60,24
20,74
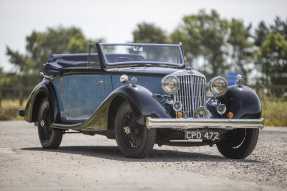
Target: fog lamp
x,y
177,106
221,109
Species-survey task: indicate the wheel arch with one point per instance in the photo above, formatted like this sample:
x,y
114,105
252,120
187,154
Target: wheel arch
x,y
37,104
41,91
141,101
113,110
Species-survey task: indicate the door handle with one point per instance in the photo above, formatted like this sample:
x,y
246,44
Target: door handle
x,y
100,82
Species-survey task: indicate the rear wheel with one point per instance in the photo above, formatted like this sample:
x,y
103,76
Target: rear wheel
x,y
133,139
50,138
238,143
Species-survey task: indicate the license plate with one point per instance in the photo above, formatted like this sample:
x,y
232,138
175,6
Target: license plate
x,y
202,135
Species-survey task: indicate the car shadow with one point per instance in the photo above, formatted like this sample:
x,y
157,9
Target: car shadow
x,y
158,155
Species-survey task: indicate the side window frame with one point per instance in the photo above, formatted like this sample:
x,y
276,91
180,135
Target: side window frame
x,y
99,63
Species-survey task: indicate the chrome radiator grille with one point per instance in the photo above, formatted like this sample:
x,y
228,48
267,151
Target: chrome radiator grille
x,y
191,93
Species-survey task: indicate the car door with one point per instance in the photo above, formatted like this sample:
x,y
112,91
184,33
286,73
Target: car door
x,y
80,93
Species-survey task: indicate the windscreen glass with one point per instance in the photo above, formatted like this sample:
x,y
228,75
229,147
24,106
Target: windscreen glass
x,y
142,53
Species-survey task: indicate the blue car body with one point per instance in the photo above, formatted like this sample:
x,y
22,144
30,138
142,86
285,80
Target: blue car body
x,y
85,92
79,94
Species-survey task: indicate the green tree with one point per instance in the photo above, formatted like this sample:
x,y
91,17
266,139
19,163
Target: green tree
x,y
279,26
204,37
149,33
272,52
261,32
273,57
23,62
39,45
242,47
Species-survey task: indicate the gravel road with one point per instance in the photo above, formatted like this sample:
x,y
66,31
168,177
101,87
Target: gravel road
x,y
94,163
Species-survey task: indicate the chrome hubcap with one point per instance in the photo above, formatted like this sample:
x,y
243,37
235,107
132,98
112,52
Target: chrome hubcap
x,y
42,123
131,131
127,130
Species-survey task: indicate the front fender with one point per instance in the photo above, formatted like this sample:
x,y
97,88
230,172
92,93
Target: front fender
x,y
141,100
242,101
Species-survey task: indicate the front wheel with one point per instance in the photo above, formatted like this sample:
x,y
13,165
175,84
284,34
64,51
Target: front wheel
x,y
133,139
50,138
238,143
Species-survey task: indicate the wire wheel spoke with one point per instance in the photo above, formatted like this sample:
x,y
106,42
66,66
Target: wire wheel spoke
x,y
45,124
131,131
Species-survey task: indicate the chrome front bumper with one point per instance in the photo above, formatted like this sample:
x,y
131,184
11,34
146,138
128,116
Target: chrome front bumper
x,y
191,123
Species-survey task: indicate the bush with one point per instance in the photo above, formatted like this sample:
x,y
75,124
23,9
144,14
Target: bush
x,y
8,114
9,110
274,111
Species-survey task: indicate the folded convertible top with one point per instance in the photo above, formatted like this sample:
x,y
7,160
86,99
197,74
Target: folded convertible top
x,y
57,62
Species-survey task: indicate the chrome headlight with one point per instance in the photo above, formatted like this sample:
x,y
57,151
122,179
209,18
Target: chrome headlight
x,y
218,86
170,84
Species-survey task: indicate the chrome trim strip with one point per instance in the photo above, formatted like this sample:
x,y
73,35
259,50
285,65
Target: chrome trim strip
x,y
131,44
192,123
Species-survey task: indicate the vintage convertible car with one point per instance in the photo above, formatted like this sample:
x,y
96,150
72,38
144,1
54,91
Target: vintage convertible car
x,y
141,95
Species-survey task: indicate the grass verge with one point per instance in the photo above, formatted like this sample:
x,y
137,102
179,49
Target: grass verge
x,y
274,112
9,110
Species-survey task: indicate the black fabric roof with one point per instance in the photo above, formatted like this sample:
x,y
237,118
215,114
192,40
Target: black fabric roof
x,y
80,57
57,62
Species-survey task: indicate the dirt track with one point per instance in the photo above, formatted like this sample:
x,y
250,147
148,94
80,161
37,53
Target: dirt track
x,y
95,163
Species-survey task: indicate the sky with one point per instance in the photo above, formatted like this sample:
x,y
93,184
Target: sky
x,y
115,20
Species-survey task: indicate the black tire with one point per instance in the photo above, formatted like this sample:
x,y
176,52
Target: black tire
x,y
50,138
134,140
238,143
